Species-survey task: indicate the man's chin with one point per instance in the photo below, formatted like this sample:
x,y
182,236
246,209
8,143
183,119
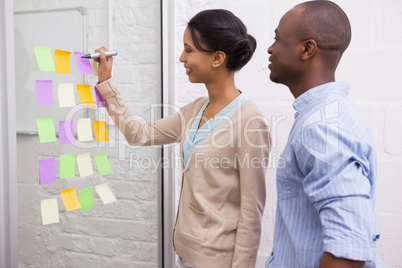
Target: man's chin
x,y
273,78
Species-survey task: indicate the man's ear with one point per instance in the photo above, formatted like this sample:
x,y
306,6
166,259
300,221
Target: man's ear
x,y
309,49
219,59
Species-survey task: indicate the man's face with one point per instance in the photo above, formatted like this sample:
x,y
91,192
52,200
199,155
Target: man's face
x,y
285,52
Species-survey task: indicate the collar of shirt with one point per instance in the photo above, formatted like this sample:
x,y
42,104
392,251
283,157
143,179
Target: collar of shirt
x,y
307,97
196,135
226,113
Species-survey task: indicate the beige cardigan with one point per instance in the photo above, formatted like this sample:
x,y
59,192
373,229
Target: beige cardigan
x,y
222,199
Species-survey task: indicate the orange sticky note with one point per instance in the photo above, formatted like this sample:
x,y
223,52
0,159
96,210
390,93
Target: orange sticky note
x,y
100,131
70,199
84,92
62,61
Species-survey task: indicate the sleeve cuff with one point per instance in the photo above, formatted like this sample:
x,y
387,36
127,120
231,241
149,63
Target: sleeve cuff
x,y
350,249
108,88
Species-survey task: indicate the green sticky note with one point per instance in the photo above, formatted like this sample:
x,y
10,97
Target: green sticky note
x,y
44,59
46,130
86,198
103,164
67,166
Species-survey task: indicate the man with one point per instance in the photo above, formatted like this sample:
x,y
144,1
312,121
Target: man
x,y
326,204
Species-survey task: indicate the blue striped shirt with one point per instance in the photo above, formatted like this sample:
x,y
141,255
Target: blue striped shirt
x,y
325,183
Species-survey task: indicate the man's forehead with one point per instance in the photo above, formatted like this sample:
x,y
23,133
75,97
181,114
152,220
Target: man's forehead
x,y
289,20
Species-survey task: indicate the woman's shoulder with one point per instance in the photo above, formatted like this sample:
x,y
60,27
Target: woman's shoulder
x,y
250,107
193,107
250,112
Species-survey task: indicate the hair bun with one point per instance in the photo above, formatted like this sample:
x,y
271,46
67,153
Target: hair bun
x,y
253,42
221,30
245,49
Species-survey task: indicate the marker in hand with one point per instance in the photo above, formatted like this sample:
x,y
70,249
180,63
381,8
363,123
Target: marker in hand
x,y
97,54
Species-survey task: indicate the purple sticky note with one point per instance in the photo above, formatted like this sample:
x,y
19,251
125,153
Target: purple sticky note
x,y
99,99
47,171
44,92
83,65
66,132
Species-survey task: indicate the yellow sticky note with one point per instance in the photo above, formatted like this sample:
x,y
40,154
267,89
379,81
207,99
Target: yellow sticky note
x,y
62,61
66,95
70,199
100,131
84,129
105,193
84,92
95,67
50,211
85,165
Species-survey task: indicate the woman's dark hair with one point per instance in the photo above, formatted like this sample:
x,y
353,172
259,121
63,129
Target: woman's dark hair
x,y
221,30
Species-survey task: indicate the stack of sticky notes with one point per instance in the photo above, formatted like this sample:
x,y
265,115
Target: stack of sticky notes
x,y
86,130
62,61
47,167
47,132
84,201
66,93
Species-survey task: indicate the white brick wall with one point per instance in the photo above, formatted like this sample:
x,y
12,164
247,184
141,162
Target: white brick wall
x,y
124,233
372,65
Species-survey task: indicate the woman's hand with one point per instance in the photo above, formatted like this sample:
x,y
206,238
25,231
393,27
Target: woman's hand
x,y
105,65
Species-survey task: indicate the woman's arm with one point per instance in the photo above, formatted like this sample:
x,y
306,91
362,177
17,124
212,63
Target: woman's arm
x,y
135,130
253,157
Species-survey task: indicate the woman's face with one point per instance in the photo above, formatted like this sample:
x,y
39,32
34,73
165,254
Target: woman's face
x,y
198,64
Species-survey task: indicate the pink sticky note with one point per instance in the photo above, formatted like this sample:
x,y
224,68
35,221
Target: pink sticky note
x,y
44,92
99,98
83,65
47,171
66,132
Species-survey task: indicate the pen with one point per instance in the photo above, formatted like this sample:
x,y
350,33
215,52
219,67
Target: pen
x,y
96,55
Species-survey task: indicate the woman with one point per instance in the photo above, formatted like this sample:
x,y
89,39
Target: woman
x,y
224,145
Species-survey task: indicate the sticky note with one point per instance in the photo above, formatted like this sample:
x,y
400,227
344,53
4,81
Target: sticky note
x,y
44,58
46,130
70,199
84,129
99,98
86,199
47,171
50,211
66,132
83,65
100,131
62,61
103,164
66,95
95,66
84,92
105,193
44,92
85,165
67,166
